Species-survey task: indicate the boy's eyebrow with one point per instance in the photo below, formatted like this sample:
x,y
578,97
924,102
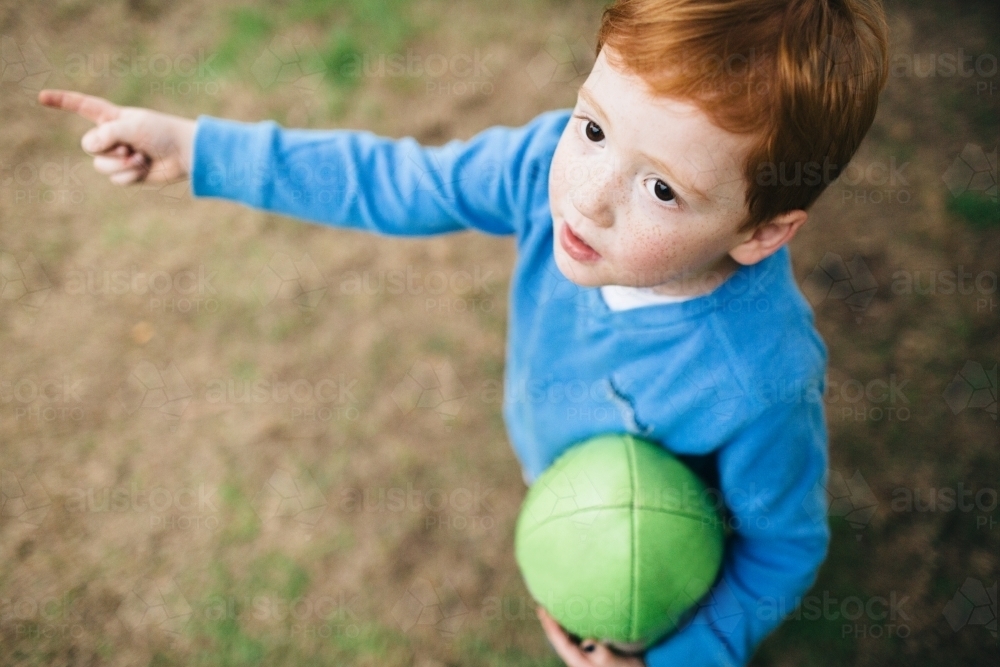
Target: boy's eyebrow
x,y
682,185
585,94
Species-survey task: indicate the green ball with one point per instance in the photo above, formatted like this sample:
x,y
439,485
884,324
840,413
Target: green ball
x,y
617,540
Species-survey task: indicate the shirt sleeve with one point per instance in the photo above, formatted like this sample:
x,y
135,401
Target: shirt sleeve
x,y
356,179
772,478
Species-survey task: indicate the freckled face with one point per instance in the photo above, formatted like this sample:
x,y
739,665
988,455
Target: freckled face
x,y
644,191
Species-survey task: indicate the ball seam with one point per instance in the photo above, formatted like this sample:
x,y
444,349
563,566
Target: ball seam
x,y
633,476
686,515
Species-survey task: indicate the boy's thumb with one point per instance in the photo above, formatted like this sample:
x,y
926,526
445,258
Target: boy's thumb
x,y
104,137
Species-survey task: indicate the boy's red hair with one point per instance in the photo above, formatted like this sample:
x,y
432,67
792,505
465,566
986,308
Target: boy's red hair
x,y
802,75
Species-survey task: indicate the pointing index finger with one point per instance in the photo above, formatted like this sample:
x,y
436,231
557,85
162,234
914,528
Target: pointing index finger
x,y
95,109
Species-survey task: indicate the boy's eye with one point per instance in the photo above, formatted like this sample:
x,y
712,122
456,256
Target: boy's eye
x,y
661,190
594,132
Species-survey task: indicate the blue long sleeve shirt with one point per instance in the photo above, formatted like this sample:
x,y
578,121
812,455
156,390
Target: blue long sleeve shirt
x,y
731,381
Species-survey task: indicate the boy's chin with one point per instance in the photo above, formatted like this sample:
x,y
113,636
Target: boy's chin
x,y
576,272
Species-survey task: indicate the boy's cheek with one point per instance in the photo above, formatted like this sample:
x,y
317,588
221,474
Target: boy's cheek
x,y
557,185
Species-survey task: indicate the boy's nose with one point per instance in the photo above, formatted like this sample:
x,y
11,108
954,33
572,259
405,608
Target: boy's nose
x,y
594,195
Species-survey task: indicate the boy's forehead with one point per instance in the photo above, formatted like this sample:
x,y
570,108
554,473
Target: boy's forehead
x,y
671,131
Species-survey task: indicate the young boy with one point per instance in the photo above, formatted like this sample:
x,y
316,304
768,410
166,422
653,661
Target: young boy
x,y
653,290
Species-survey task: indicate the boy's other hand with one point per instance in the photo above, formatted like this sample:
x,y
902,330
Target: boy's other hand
x,y
129,144
589,653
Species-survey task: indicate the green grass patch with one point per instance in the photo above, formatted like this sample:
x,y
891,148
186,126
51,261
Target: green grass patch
x,y
224,642
978,210
248,30
286,325
114,232
277,573
328,42
244,370
239,622
241,524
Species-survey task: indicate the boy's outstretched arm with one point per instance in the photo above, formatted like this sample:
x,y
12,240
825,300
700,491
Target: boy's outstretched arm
x,y
357,179
772,478
346,178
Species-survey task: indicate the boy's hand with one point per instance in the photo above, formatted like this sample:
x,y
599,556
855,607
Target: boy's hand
x,y
130,144
588,654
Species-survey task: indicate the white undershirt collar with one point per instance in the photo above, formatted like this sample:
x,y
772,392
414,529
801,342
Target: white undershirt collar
x,y
624,297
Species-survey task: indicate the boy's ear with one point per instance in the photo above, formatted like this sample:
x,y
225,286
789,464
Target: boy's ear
x,y
765,240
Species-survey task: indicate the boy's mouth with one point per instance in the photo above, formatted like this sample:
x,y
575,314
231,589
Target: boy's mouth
x,y
576,247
